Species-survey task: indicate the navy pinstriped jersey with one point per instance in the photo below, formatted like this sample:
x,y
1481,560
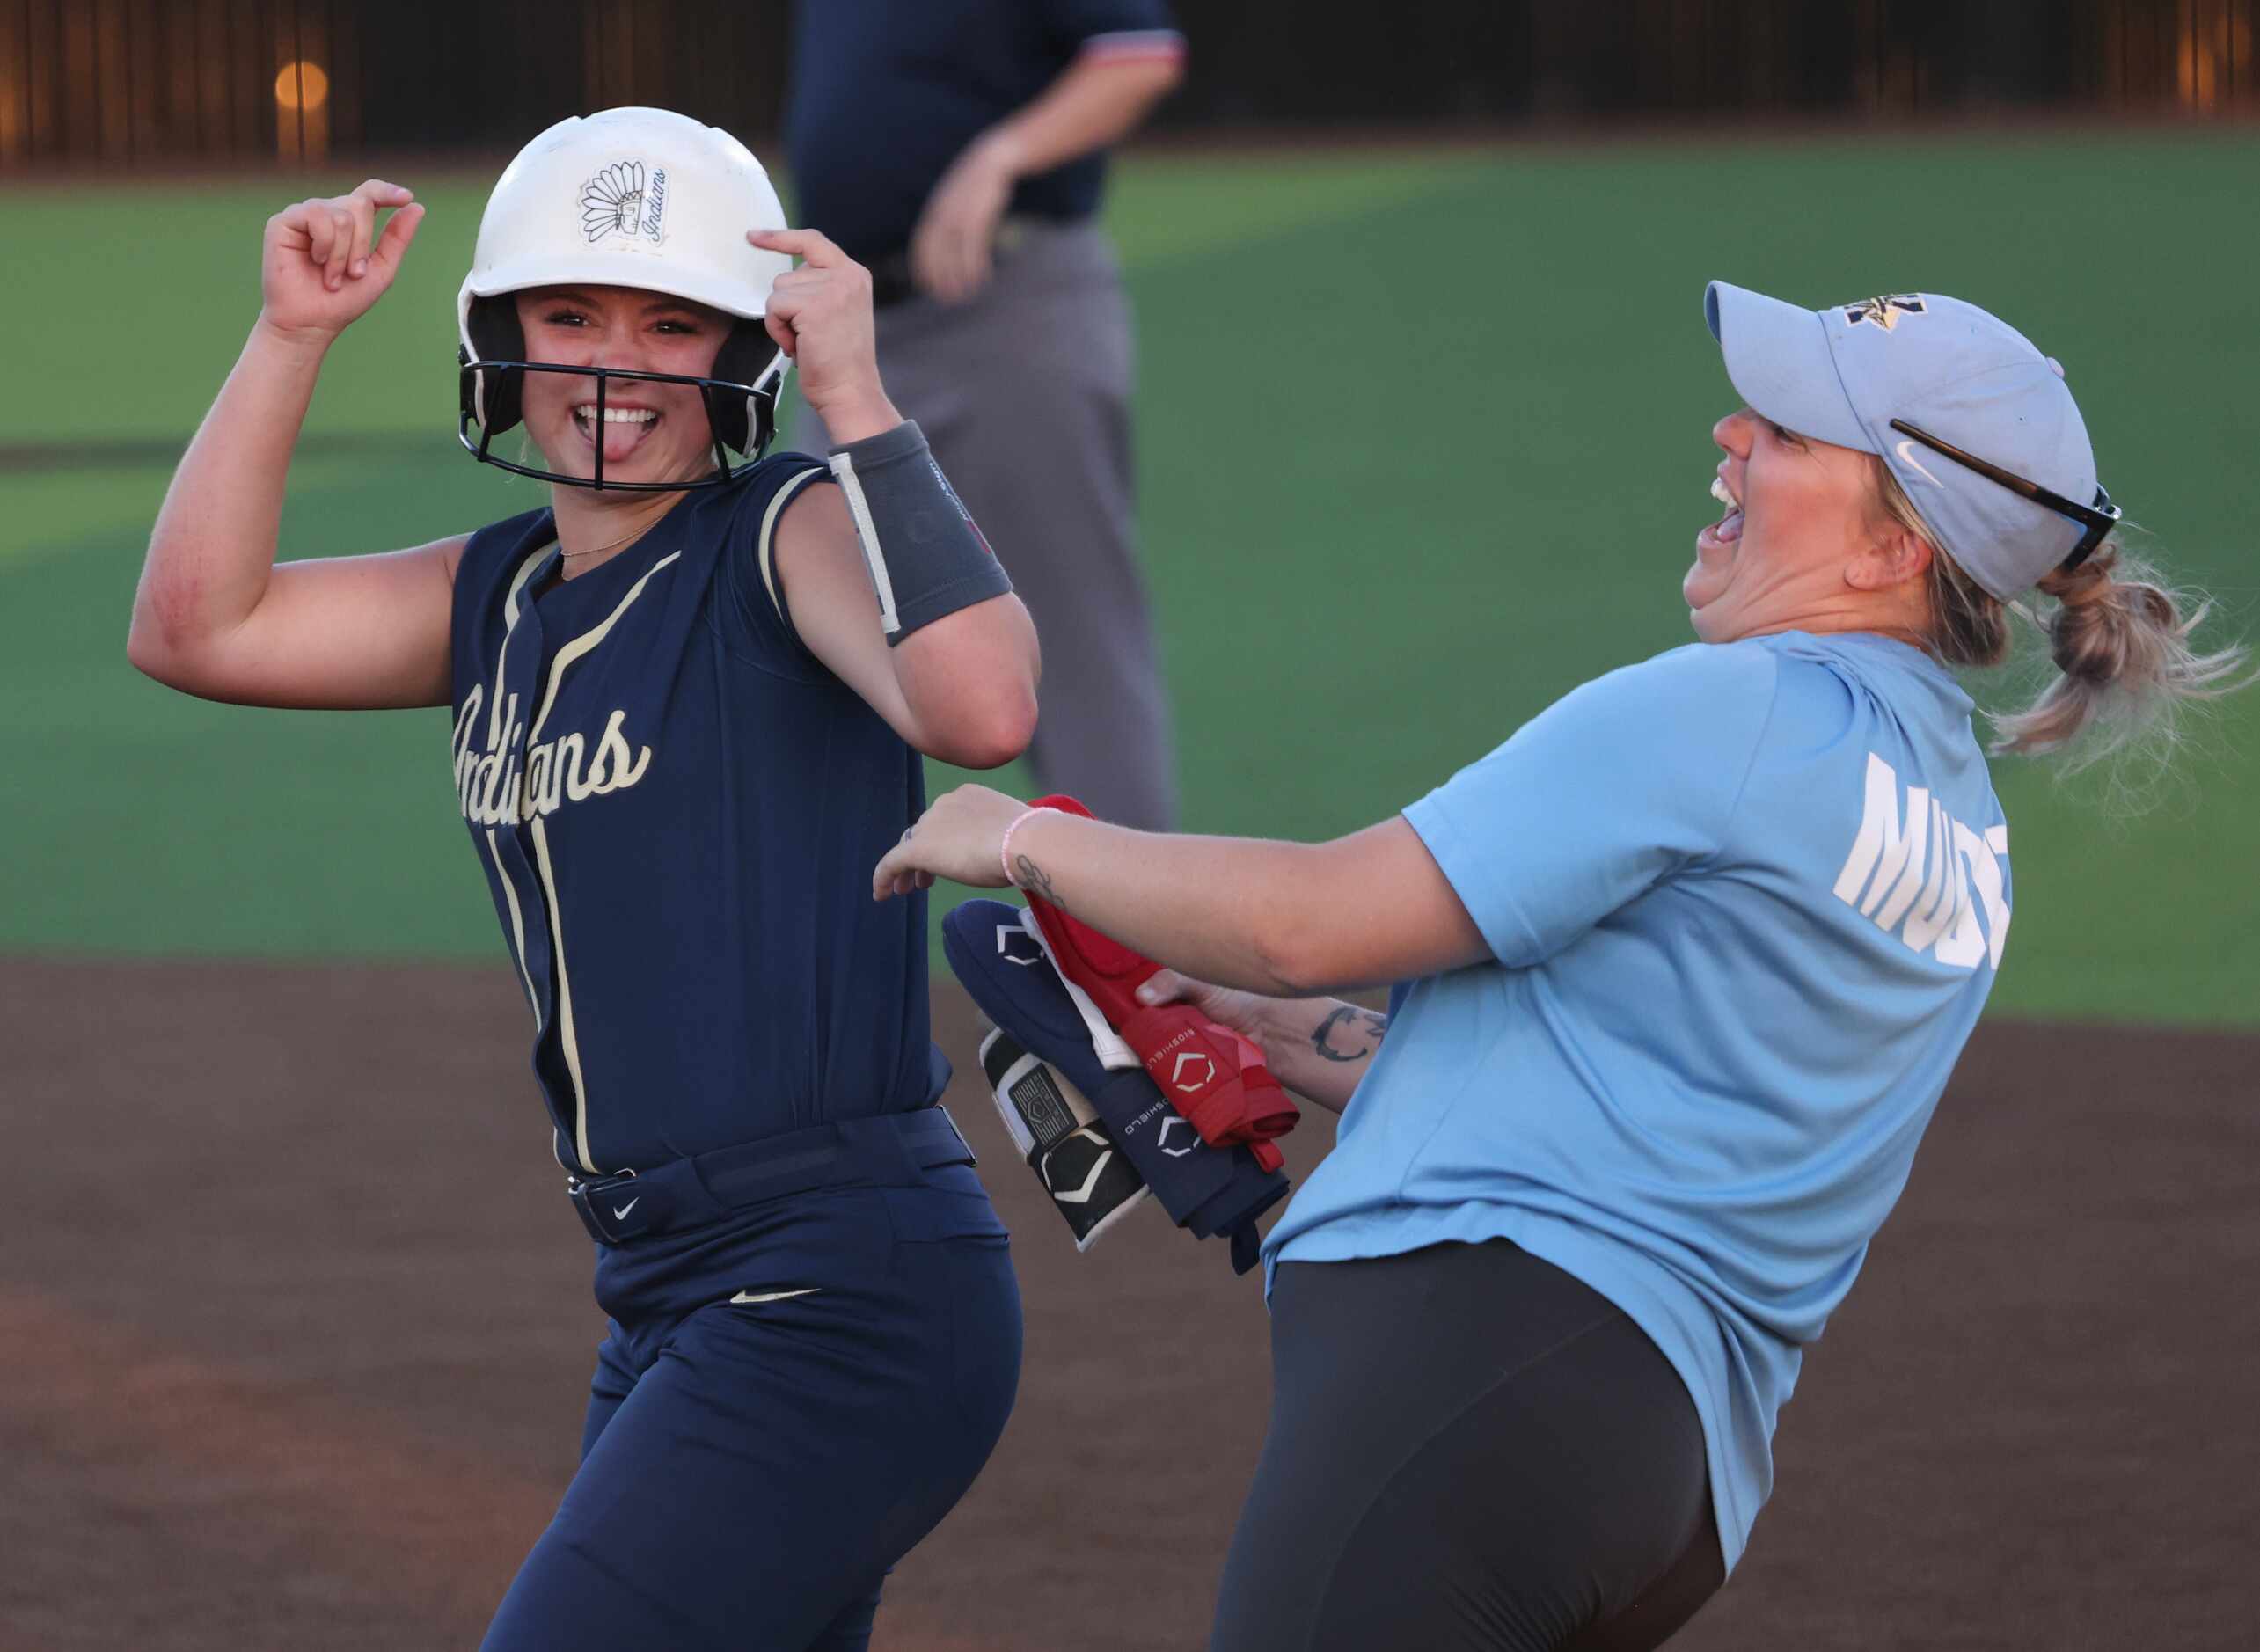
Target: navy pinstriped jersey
x,y
677,809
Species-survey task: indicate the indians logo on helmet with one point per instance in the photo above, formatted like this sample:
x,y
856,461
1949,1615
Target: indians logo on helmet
x,y
619,201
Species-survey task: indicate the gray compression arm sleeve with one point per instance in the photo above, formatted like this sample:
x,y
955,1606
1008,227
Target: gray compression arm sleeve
x,y
926,558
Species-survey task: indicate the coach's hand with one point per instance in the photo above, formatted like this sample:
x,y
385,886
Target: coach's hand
x,y
960,836
323,264
1247,1014
820,315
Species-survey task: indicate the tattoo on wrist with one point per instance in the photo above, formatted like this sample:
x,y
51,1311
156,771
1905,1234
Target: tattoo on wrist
x,y
1323,1034
1035,881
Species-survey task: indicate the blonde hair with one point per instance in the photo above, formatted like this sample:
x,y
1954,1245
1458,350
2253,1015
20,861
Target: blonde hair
x,y
2118,635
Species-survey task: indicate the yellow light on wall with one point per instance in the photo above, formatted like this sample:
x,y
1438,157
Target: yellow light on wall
x,y
302,113
302,86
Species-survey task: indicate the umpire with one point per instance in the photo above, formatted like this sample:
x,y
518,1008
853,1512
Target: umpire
x,y
957,149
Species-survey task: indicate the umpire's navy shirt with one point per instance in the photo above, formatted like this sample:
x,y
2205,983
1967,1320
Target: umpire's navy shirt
x,y
887,93
677,809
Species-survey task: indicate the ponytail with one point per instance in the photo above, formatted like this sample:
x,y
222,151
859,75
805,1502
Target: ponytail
x,y
2118,636
2120,641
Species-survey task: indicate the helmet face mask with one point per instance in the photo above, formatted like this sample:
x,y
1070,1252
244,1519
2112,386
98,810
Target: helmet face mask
x,y
636,198
740,399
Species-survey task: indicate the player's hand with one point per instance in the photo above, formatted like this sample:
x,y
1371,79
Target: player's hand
x,y
960,836
952,245
820,315
322,263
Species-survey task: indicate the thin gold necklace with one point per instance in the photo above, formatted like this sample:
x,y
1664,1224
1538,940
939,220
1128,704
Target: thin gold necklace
x,y
564,555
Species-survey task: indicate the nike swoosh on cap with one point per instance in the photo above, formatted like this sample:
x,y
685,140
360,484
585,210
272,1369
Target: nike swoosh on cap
x,y
1916,465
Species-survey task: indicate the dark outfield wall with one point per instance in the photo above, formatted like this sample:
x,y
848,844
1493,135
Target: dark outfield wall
x,y
128,82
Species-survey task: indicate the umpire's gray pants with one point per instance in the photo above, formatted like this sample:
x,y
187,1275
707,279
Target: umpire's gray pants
x,y
1024,392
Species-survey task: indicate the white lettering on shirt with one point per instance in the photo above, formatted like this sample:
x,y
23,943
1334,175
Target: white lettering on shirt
x,y
1911,871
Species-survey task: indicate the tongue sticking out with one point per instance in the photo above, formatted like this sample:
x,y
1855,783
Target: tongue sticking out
x,y
621,438
1729,529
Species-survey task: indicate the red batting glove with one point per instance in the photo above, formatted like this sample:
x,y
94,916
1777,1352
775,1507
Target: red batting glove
x,y
1210,1073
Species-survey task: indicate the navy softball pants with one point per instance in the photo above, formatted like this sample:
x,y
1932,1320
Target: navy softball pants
x,y
778,1416
1470,1451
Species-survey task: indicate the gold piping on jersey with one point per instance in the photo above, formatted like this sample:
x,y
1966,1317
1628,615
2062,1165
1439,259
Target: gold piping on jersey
x,y
495,722
518,583
588,640
517,927
565,1033
546,876
784,496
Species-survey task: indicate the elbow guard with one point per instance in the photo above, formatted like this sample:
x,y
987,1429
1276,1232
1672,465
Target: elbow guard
x,y
925,557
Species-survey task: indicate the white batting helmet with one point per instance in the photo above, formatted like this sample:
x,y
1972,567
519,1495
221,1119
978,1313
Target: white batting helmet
x,y
642,198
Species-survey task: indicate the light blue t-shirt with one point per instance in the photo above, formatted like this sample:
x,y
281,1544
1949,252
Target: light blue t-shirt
x,y
1745,902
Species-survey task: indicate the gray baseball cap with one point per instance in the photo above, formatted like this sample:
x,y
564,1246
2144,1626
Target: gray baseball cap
x,y
1978,426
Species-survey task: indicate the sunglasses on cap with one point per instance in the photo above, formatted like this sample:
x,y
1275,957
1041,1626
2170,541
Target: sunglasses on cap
x,y
2098,519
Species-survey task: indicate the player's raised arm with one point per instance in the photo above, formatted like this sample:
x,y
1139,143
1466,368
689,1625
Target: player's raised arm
x,y
952,665
213,616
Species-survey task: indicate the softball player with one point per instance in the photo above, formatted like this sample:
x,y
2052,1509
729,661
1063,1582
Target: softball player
x,y
1681,971
689,697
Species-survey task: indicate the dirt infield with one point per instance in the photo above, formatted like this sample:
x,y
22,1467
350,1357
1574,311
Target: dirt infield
x,y
298,1328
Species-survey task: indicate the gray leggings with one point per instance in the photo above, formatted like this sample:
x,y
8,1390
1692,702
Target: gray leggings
x,y
1469,1448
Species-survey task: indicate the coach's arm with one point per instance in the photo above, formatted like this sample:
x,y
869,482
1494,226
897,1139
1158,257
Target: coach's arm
x,y
1285,919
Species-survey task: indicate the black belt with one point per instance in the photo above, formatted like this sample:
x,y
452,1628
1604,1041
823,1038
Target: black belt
x,y
887,1151
890,279
892,283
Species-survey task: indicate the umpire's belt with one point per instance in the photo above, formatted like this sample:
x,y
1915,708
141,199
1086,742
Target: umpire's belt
x,y
890,1150
892,283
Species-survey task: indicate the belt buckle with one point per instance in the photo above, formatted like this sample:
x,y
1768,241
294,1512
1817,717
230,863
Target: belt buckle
x,y
593,1197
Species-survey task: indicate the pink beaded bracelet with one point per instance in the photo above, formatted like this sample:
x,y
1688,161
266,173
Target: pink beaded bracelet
x,y
1004,848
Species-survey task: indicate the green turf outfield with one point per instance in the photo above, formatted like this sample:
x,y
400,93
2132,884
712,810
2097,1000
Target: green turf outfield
x,y
1423,441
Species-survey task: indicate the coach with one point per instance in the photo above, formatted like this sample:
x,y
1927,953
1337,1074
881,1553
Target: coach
x,y
957,148
1679,973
